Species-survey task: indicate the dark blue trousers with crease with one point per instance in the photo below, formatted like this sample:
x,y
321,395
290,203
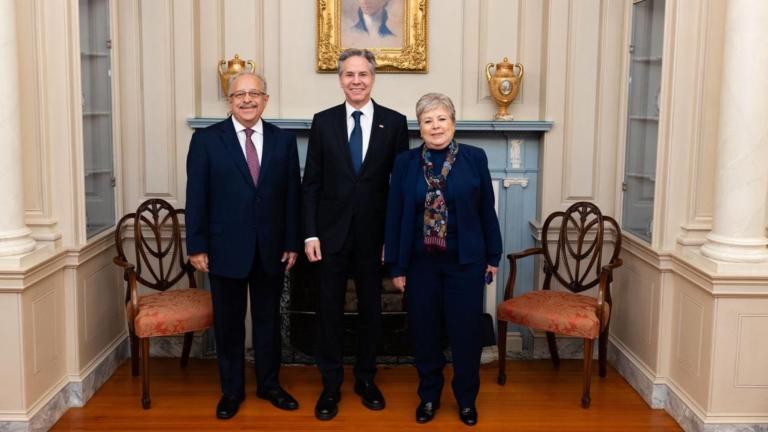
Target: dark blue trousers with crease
x,y
446,296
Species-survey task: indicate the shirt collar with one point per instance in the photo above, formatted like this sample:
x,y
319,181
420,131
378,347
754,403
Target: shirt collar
x,y
258,127
367,109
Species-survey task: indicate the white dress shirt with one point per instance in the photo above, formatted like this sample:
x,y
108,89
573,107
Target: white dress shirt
x,y
257,137
366,121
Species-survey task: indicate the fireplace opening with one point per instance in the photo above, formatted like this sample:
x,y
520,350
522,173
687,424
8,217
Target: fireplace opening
x,y
298,307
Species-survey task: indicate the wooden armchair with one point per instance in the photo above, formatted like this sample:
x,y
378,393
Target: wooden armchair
x,y
574,259
159,265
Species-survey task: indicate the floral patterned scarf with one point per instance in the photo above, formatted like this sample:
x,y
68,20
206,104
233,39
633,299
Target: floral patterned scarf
x,y
435,207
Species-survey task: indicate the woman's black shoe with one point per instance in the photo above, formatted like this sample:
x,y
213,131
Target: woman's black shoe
x,y
468,415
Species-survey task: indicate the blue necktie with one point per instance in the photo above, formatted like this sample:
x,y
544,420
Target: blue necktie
x,y
356,143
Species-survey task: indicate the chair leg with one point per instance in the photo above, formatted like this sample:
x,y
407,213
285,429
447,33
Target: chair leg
x,y
553,350
187,347
501,344
145,401
134,354
585,399
602,354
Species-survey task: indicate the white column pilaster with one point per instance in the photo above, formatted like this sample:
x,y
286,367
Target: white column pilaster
x,y
14,235
741,171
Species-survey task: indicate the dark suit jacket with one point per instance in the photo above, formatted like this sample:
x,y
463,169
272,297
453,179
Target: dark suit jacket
x,y
227,216
333,195
469,181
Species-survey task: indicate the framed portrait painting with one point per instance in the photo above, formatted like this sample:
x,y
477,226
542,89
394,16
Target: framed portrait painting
x,y
395,30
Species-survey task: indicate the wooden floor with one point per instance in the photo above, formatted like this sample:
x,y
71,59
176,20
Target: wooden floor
x,y
535,398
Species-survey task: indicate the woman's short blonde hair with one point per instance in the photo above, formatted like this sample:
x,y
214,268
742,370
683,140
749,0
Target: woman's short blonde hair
x,y
431,101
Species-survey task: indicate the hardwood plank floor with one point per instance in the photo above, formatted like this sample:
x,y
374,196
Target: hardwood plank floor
x,y
535,398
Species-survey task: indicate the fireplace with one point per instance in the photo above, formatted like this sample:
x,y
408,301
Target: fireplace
x,y
298,309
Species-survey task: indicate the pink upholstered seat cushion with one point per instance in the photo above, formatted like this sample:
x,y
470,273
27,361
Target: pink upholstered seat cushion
x,y
554,311
173,312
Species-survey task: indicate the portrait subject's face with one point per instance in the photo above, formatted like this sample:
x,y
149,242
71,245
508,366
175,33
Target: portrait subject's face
x,y
372,7
437,128
356,80
247,100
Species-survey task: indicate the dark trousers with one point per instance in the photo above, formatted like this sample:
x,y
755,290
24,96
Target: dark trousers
x,y
442,294
365,268
229,307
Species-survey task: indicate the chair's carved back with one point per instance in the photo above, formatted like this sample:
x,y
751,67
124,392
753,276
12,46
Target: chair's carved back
x,y
575,256
159,254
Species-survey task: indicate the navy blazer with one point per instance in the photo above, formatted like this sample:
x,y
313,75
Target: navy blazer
x,y
477,226
227,216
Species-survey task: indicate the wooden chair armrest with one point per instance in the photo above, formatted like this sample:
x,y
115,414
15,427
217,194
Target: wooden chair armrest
x,y
509,292
604,287
525,253
122,262
133,288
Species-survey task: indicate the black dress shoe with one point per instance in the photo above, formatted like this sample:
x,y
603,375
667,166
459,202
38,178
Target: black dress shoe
x,y
279,398
426,411
327,405
468,415
227,407
370,394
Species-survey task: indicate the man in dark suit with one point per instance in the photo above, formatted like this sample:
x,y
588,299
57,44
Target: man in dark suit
x,y
350,154
242,218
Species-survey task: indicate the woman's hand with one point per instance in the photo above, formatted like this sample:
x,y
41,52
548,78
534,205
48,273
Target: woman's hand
x,y
399,283
492,270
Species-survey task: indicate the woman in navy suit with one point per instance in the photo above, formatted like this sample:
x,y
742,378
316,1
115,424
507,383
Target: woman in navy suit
x,y
442,242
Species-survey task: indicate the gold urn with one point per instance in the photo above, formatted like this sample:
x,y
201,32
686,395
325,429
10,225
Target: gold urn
x,y
228,69
504,85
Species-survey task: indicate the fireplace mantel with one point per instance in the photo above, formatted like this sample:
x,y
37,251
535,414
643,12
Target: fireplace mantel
x,y
461,125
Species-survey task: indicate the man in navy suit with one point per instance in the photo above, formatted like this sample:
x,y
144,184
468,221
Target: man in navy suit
x,y
351,150
242,219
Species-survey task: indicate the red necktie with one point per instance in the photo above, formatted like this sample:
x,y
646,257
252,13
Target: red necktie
x,y
251,157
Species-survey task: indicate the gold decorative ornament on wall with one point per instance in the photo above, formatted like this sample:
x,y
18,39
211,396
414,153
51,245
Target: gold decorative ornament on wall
x,y
504,85
232,67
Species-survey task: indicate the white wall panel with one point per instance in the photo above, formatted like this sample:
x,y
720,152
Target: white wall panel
x,y
635,315
158,72
691,340
11,357
101,316
582,80
44,335
740,381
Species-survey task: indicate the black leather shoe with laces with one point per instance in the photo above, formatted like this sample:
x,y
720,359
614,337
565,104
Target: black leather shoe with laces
x,y
370,395
327,405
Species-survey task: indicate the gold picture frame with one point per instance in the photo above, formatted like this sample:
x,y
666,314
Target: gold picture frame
x,y
340,25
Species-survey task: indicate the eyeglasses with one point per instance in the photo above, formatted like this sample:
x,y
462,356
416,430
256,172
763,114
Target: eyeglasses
x,y
240,95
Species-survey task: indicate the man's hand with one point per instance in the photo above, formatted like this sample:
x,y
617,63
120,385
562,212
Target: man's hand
x,y
312,249
399,283
199,261
290,258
